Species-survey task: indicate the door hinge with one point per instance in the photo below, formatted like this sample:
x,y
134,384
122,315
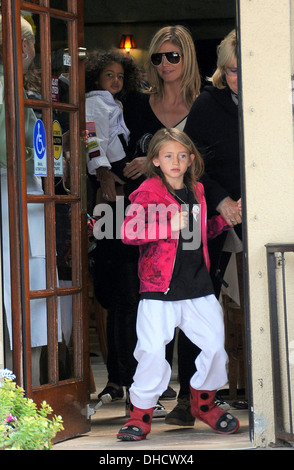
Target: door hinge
x,y
91,410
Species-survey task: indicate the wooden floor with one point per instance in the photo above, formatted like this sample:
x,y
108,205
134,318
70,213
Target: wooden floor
x,y
109,418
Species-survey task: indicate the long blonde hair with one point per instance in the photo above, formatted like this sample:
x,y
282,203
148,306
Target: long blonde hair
x,y
226,55
191,80
161,138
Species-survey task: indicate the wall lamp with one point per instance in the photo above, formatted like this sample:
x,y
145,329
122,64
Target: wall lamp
x,y
127,42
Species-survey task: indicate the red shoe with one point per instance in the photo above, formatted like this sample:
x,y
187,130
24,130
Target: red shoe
x,y
204,408
137,426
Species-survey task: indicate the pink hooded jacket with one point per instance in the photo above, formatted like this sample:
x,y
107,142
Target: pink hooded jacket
x,y
147,224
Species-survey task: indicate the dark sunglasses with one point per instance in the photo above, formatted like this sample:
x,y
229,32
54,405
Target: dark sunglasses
x,y
171,57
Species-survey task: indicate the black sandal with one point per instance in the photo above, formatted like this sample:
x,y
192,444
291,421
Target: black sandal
x,y
110,393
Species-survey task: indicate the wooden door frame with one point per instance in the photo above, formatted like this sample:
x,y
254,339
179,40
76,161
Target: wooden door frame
x,y
57,394
11,80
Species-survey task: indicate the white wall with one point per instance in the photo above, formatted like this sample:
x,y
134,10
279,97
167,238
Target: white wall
x,y
269,172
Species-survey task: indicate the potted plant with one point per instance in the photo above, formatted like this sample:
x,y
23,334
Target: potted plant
x,y
22,425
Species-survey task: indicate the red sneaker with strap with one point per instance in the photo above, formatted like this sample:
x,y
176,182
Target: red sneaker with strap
x,y
203,407
137,426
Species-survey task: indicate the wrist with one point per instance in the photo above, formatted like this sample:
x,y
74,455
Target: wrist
x,y
219,206
102,173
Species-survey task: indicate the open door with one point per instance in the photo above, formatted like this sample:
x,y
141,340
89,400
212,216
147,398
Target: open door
x,y
43,202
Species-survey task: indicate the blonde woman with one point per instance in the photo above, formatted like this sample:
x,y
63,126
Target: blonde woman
x,y
174,83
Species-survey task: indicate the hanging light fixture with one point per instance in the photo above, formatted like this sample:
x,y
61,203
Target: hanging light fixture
x,y
127,42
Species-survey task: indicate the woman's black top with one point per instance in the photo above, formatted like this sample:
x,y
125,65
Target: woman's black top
x,y
213,126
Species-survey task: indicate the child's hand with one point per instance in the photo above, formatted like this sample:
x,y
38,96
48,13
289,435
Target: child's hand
x,y
179,221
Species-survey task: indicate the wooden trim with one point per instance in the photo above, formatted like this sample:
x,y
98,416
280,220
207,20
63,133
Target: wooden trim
x,y
38,294
12,166
17,206
26,327
54,13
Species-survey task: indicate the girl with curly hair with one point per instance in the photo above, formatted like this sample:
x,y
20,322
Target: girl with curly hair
x,y
109,77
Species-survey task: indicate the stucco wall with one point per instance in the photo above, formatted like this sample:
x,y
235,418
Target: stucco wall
x,y
269,174
1,325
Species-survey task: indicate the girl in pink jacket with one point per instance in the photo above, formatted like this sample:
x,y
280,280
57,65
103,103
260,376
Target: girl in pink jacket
x,y
167,219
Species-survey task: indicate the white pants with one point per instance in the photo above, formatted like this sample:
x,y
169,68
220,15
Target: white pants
x,y
201,320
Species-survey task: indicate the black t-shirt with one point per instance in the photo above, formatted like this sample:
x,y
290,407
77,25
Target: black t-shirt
x,y
190,278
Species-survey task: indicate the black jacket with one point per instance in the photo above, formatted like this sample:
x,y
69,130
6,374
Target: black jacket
x,y
213,126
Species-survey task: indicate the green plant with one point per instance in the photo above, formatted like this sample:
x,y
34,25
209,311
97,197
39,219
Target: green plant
x,y
22,425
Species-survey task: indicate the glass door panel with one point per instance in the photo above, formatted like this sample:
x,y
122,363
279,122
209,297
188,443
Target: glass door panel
x,y
59,4
60,61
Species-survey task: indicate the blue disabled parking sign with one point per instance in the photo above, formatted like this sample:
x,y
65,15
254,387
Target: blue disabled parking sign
x,y
40,152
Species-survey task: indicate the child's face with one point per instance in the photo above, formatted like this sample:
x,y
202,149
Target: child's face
x,y
112,78
174,159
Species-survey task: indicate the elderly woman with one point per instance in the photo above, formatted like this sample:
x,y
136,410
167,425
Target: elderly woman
x,y
174,83
36,228
213,126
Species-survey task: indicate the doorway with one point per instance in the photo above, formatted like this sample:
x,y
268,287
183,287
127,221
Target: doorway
x,y
209,24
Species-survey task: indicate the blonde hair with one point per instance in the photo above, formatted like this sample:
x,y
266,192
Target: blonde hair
x,y
161,138
191,80
226,55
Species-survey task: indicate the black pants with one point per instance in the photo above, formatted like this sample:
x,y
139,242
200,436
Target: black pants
x,y
116,286
124,312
